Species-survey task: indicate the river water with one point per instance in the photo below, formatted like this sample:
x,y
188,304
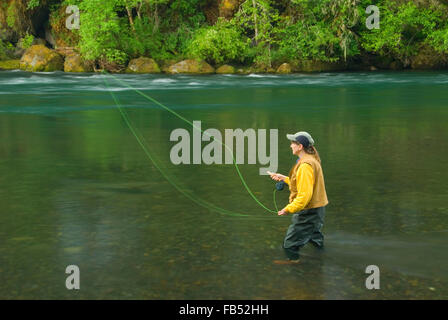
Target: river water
x,y
76,187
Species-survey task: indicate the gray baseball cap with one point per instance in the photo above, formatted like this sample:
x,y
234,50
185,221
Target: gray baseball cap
x,y
302,137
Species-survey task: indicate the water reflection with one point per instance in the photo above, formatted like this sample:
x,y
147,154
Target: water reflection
x,y
76,188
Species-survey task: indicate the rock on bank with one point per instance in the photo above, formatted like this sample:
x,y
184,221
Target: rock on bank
x,y
191,66
39,58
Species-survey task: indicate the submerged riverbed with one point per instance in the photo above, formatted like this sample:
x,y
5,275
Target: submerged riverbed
x,y
77,188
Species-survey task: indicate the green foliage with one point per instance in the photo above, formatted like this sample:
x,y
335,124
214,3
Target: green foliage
x,y
181,20
403,28
2,51
33,4
66,3
262,31
304,41
100,29
11,15
438,39
148,40
136,28
5,50
27,41
324,31
258,18
144,40
176,42
218,44
117,56
185,13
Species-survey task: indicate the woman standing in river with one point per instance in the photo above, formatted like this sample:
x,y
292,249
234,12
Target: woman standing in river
x,y
307,199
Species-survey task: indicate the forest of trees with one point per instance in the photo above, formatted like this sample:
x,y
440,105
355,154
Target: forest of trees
x,y
263,33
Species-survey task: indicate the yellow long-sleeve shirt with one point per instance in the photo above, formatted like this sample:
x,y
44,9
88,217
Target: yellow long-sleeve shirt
x,y
305,181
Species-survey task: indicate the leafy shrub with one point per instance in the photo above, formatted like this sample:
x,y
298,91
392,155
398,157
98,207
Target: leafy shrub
x,y
184,13
324,30
116,56
221,43
439,40
258,18
11,14
33,4
300,41
112,25
402,29
148,40
27,41
99,29
5,50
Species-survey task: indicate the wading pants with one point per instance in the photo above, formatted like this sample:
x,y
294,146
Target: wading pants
x,y
306,226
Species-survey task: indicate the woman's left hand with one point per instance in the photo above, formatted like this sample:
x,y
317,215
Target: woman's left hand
x,y
282,212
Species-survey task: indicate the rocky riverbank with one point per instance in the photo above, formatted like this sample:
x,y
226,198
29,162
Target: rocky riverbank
x,y
39,58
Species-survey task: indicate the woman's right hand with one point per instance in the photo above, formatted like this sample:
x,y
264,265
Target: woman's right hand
x,y
277,176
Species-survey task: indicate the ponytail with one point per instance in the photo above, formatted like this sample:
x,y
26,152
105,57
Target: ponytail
x,y
313,151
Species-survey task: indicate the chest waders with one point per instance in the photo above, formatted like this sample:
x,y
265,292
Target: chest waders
x,y
306,227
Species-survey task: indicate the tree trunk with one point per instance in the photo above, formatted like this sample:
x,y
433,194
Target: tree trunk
x,y
156,19
139,8
269,50
255,21
131,19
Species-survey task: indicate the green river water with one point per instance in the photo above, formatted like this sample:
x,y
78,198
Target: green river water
x,y
77,188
